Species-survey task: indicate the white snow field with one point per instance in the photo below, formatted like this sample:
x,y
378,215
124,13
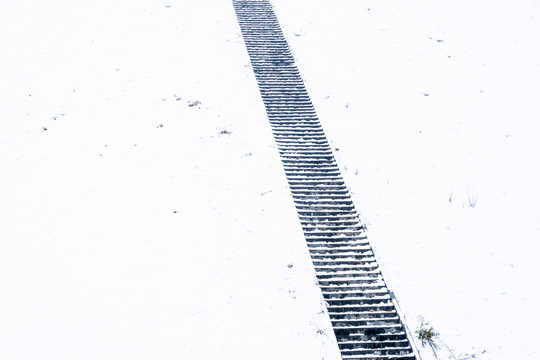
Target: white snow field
x,y
435,109
144,212
122,239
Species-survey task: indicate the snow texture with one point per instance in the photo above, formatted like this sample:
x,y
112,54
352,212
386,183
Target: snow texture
x,y
145,213
432,108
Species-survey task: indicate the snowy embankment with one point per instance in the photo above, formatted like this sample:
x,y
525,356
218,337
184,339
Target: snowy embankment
x,y
432,107
144,209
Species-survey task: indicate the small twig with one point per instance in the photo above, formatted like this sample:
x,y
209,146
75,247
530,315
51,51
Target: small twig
x,y
472,197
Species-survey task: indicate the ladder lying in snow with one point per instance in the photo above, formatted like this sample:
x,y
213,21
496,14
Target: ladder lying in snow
x,y
363,313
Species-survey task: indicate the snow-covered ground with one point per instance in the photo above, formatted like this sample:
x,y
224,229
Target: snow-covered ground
x,y
434,107
133,225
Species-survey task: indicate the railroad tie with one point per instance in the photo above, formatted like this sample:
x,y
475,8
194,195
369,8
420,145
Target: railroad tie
x,y
363,313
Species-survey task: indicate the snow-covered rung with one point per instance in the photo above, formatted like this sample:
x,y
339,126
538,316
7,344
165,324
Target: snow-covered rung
x,y
408,356
371,343
363,315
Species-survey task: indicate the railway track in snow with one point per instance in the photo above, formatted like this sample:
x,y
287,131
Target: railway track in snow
x,y
363,313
